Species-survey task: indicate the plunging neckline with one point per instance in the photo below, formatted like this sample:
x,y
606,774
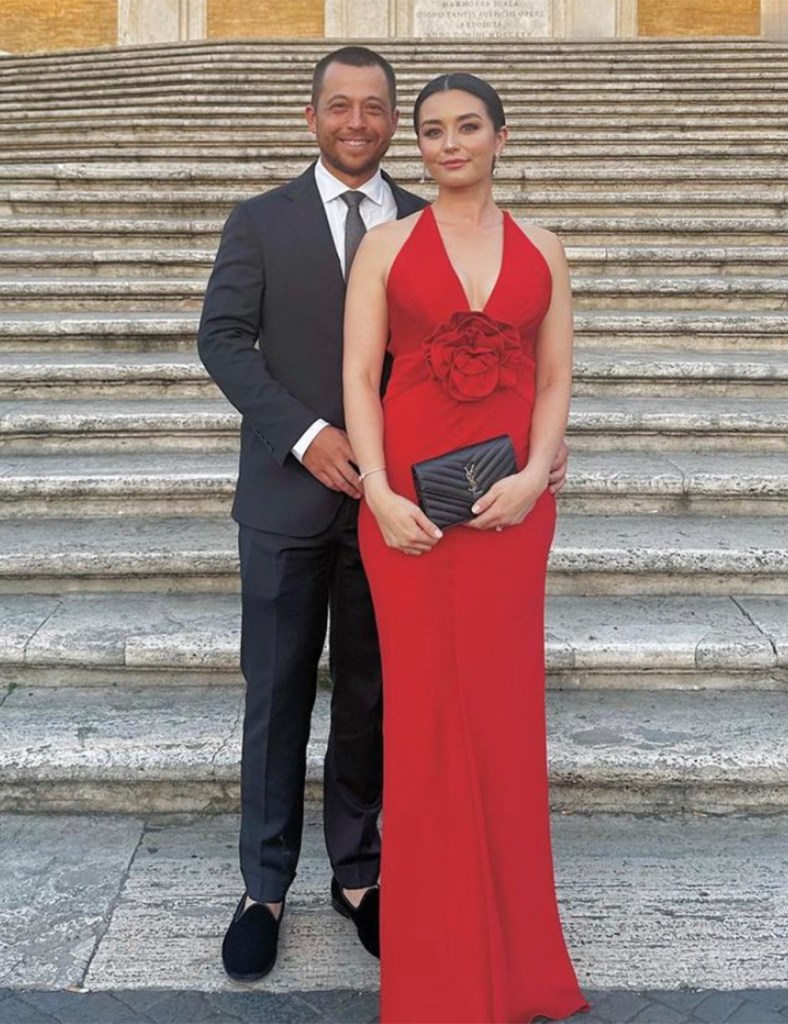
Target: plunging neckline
x,y
453,270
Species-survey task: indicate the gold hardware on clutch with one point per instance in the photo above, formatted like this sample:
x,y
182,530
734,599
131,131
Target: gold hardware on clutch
x,y
470,476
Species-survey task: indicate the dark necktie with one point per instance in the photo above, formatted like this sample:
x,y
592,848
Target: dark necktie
x,y
354,227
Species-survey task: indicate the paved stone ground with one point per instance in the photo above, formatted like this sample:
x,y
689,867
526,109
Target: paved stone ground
x,y
113,919
344,1006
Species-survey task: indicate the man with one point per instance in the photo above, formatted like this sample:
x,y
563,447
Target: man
x,y
271,338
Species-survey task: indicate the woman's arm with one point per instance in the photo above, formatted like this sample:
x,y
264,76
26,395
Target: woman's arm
x,y
553,365
403,525
510,500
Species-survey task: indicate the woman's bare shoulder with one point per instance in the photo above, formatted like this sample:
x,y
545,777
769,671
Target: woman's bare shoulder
x,y
547,242
393,232
382,243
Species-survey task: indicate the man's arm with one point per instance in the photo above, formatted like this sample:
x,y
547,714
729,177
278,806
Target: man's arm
x,y
229,329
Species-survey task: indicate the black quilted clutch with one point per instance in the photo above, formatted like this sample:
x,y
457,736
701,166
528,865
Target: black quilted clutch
x,y
449,484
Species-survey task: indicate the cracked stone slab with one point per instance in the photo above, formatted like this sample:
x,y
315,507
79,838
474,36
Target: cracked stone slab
x,y
125,546
61,876
652,632
78,638
740,473
770,614
21,616
113,629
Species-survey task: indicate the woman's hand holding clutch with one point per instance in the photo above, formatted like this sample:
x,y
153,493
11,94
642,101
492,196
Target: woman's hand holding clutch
x,y
402,523
508,501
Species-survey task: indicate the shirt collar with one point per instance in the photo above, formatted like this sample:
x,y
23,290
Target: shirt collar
x,y
331,187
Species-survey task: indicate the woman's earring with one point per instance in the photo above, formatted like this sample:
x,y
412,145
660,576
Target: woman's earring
x,y
424,175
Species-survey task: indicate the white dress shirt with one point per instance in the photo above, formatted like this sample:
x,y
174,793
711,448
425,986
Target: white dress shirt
x,y
377,207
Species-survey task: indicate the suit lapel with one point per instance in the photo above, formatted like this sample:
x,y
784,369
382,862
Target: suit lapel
x,y
307,216
407,202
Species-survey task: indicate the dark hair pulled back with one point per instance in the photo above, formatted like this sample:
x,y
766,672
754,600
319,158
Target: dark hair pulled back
x,y
467,83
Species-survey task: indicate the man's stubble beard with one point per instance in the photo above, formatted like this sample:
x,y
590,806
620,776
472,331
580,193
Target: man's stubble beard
x,y
368,168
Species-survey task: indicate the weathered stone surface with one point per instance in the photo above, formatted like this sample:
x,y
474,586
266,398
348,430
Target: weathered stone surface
x,y
61,877
198,548
646,902
609,750
770,614
129,629
710,414
677,544
648,633
21,616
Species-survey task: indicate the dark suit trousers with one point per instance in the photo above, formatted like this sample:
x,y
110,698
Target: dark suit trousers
x,y
288,585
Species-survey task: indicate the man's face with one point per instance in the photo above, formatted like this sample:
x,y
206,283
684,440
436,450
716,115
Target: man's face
x,y
353,121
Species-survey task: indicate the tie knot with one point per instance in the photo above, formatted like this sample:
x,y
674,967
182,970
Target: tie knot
x,y
352,198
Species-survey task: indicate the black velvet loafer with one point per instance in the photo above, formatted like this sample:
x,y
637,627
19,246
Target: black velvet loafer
x,y
249,947
366,917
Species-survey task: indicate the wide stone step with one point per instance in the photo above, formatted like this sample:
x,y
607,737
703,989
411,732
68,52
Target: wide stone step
x,y
733,372
678,292
753,200
90,263
142,749
102,424
728,371
118,293
670,227
674,292
29,425
648,424
185,111
160,639
184,482
764,71
94,332
605,554
519,166
205,152
98,263
175,330
517,69
213,96
139,131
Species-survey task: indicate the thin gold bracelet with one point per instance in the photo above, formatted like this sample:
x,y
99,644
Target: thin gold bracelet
x,y
369,472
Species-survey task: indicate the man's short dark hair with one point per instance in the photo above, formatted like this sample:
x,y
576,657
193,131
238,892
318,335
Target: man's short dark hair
x,y
355,57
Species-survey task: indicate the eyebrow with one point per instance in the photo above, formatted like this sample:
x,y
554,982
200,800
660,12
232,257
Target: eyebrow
x,y
342,96
462,117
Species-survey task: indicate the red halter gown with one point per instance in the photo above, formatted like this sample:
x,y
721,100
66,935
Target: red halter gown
x,y
470,930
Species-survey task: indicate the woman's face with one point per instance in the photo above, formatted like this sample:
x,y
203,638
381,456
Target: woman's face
x,y
457,139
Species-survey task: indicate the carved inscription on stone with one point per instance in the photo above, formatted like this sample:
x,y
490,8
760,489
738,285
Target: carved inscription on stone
x,y
458,19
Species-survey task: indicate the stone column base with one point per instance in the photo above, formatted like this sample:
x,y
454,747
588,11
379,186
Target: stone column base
x,y
160,21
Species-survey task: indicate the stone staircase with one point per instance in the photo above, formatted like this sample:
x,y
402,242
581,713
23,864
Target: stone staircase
x,y
662,165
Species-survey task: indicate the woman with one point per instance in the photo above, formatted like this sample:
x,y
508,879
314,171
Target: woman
x,y
476,311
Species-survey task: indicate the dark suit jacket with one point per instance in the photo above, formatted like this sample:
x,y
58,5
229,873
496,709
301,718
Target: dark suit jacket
x,y
271,338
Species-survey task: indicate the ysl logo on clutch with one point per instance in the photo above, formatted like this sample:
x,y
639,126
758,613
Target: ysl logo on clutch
x,y
470,476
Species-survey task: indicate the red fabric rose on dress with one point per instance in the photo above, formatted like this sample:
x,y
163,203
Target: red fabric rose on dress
x,y
472,355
